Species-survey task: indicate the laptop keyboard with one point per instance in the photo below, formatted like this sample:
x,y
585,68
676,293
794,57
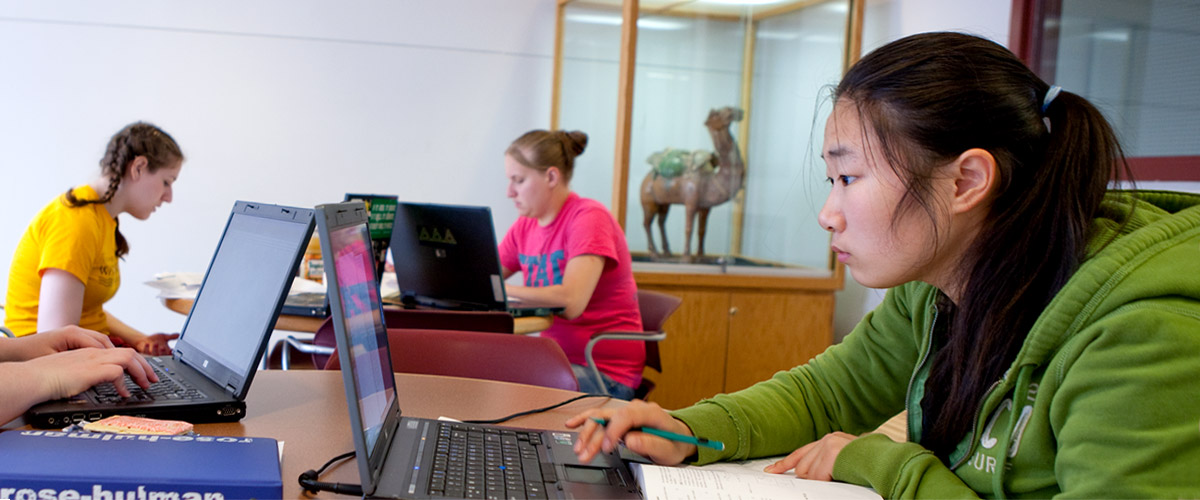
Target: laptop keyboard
x,y
167,388
488,462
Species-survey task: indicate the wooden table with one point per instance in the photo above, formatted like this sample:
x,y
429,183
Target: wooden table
x,y
285,322
308,324
306,409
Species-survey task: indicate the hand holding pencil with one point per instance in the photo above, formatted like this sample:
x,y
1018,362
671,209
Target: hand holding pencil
x,y
645,428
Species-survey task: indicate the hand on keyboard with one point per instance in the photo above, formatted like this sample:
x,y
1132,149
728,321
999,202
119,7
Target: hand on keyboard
x,y
69,373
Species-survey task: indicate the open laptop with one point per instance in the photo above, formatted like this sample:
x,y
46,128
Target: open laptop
x,y
398,456
445,257
381,209
225,334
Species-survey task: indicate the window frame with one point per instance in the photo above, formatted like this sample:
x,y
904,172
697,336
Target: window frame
x,y
1030,43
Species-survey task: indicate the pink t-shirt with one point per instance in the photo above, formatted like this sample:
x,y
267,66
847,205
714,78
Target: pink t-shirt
x,y
584,227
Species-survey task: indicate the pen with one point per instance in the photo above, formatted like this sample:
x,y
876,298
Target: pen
x,y
698,441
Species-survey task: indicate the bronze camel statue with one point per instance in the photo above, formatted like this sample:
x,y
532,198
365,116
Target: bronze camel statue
x,y
697,180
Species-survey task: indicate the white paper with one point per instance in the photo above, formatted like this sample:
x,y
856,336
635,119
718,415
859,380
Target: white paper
x,y
388,285
301,285
177,285
737,481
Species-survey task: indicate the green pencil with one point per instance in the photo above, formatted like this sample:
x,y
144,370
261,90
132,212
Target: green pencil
x,y
698,441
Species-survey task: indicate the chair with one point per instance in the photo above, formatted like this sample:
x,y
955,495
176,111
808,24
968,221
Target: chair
x,y
483,355
655,307
321,346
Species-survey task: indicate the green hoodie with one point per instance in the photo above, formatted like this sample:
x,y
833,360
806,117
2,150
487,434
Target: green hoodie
x,y
1107,382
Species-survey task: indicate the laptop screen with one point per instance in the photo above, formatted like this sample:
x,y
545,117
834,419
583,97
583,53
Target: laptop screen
x,y
360,314
246,279
445,255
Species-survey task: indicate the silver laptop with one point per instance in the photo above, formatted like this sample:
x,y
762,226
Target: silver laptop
x,y
404,457
207,376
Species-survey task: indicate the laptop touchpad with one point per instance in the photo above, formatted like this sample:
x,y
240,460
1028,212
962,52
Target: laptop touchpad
x,y
589,475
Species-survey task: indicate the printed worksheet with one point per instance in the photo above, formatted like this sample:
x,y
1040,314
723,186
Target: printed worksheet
x,y
738,481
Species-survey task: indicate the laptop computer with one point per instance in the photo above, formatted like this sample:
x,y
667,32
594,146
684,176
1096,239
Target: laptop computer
x,y
306,304
445,257
207,376
381,210
400,457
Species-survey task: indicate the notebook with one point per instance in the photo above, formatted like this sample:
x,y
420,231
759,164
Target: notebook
x,y
396,455
445,257
225,334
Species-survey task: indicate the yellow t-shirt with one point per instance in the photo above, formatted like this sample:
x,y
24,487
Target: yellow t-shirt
x,y
79,240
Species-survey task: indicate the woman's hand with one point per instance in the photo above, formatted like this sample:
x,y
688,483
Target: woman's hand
x,y
56,340
68,373
814,460
155,345
622,426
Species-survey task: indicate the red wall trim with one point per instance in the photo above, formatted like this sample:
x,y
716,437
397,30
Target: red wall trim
x,y
1020,30
1166,168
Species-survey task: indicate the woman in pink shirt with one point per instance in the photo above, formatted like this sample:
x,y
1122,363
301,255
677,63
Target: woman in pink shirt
x,y
572,253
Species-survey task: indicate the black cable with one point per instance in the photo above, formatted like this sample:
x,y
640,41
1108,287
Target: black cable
x,y
308,479
539,410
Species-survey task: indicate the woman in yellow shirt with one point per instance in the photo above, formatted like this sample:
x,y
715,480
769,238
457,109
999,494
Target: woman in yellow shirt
x,y
66,264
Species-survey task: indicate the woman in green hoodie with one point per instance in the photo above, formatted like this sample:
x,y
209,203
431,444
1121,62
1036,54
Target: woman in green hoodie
x,y
1042,331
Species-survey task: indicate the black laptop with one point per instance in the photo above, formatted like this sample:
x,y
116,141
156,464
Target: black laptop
x,y
445,257
402,457
207,376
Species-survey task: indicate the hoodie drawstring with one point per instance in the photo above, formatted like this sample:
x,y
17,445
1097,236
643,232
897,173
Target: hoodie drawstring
x,y
1014,418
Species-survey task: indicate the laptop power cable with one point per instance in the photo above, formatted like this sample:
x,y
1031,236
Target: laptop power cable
x,y
536,410
308,479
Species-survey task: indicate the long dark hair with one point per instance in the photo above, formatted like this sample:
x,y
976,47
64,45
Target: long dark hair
x,y
136,139
930,97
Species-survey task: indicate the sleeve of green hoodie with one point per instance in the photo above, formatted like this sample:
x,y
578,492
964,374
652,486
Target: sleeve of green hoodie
x,y
852,387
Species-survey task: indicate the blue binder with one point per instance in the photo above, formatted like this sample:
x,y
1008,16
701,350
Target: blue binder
x,y
100,466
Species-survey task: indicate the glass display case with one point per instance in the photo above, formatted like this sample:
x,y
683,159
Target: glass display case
x,y
724,105
710,114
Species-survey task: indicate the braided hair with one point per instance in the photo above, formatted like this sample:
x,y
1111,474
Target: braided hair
x,y
136,139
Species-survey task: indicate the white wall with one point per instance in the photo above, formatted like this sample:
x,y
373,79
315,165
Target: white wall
x,y
289,102
298,102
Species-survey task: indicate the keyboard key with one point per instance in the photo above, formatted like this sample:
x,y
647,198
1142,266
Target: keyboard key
x,y
486,462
